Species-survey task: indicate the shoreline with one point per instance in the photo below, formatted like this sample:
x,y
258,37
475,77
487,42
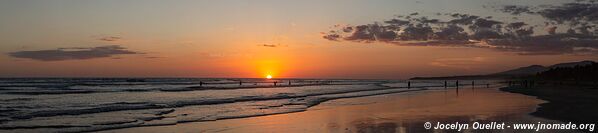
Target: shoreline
x,y
379,113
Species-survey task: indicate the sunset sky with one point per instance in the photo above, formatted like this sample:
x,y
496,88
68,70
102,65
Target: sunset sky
x,y
287,39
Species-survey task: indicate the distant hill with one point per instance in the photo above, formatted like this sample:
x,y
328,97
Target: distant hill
x,y
533,69
518,72
573,64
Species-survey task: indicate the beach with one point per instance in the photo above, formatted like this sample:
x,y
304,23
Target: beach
x,y
400,112
257,105
97,104
571,103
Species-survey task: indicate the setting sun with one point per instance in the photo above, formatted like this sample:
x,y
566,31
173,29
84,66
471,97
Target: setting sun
x,y
269,76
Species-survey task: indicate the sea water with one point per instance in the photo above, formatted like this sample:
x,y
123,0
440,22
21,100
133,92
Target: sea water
x,y
93,104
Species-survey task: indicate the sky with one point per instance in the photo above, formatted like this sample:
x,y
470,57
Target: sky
x,y
349,39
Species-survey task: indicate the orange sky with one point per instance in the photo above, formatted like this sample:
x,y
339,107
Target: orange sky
x,y
235,39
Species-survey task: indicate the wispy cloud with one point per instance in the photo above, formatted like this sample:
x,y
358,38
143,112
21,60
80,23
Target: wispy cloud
x,y
110,38
75,53
272,45
462,63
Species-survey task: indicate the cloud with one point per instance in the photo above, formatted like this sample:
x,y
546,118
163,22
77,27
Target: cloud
x,y
451,32
562,43
516,9
462,63
574,13
417,33
271,45
76,53
152,57
466,30
331,37
110,38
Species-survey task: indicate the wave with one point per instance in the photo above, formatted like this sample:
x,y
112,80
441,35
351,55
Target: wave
x,y
45,89
120,106
152,105
300,102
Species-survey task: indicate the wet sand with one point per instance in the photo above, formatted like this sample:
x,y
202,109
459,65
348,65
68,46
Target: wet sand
x,y
401,112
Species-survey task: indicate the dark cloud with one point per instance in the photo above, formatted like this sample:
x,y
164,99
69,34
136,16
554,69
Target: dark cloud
x,y
573,13
486,23
331,37
365,33
397,22
362,33
485,34
582,15
110,38
463,19
450,43
77,53
516,9
418,33
516,25
451,32
562,43
466,30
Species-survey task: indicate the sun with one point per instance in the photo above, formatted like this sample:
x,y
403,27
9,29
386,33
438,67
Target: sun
x,y
269,76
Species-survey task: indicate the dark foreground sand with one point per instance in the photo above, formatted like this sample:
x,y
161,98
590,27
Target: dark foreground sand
x,y
568,103
402,112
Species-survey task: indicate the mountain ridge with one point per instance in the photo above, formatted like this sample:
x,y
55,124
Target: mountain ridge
x,y
517,72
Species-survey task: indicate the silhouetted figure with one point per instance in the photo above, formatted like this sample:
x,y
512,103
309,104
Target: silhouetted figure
x,y
240,82
445,84
275,83
289,82
408,84
457,84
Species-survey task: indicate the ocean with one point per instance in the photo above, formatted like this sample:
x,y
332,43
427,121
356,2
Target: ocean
x,y
95,104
